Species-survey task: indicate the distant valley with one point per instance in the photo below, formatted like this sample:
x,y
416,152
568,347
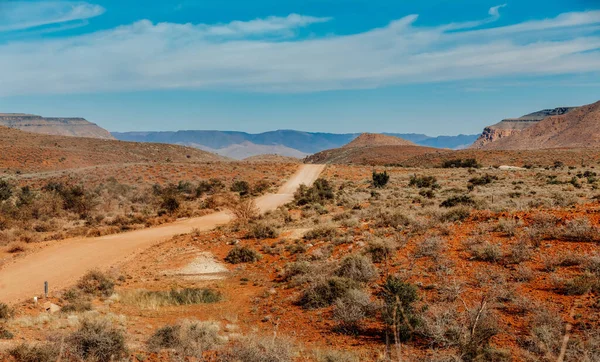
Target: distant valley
x,y
291,143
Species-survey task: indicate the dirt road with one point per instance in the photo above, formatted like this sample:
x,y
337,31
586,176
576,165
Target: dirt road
x,y
62,263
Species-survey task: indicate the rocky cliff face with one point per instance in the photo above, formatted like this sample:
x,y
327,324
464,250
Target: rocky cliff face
x,y
511,126
75,127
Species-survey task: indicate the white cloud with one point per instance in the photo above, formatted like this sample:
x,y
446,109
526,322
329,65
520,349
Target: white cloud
x,y
252,56
26,15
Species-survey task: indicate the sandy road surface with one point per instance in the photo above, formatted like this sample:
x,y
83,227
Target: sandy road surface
x,y
62,263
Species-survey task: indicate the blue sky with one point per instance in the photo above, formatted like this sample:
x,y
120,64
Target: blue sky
x,y
429,66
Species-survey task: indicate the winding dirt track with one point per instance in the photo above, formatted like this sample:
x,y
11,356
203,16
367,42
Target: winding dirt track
x,y
62,263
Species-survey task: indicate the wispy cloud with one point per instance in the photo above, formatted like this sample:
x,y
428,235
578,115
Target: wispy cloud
x,y
251,56
26,15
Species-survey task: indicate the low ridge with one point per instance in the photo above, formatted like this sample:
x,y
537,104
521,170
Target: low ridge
x,y
376,139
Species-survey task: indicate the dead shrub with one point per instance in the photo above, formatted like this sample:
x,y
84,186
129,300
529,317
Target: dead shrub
x,y
97,341
546,330
245,210
190,339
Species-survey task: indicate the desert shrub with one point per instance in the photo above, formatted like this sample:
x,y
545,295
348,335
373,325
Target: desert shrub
x,y
460,163
380,179
423,182
76,302
520,252
380,250
170,203
458,200
580,229
357,267
97,341
241,187
482,180
96,283
258,350
77,199
41,352
387,218
242,254
245,210
296,268
351,309
430,247
6,190
321,232
325,292
486,252
5,333
16,248
475,344
6,312
576,286
336,356
456,214
546,330
261,187
184,296
320,192
507,226
399,311
190,339
260,230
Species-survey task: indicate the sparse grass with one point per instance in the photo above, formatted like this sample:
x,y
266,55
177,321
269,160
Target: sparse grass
x,y
146,299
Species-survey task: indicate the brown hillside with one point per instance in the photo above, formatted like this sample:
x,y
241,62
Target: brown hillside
x,y
75,127
375,139
24,151
579,128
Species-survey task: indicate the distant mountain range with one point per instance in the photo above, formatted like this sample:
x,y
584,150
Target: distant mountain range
x,y
74,127
291,143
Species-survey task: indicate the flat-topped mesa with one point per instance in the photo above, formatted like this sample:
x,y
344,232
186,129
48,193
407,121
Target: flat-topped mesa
x,y
58,126
510,126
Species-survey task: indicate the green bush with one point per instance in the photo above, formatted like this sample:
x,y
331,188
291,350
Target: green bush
x,y
241,187
399,310
320,192
242,254
380,179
